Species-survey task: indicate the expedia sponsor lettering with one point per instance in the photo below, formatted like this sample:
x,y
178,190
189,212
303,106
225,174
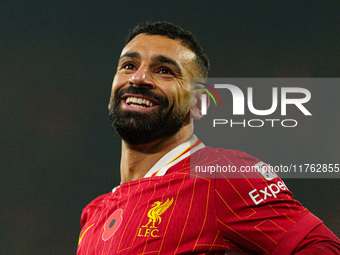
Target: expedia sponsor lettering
x,y
261,195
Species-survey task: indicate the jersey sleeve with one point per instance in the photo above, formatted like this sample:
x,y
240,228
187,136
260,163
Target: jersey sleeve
x,y
319,241
256,211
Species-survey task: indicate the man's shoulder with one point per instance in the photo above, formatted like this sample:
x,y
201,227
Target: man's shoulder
x,y
224,155
98,201
93,206
209,160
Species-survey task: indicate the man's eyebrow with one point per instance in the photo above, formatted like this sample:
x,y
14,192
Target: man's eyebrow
x,y
163,59
131,54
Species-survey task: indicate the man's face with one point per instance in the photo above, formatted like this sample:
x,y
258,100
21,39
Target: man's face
x,y
150,97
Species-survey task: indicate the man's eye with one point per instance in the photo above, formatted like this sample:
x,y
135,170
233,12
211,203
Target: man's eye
x,y
165,70
128,66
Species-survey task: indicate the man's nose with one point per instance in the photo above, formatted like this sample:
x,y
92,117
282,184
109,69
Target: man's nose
x,y
142,78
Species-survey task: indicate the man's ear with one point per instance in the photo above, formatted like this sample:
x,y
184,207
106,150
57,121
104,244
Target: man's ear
x,y
196,105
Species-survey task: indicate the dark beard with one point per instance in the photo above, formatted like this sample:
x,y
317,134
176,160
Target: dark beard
x,y
140,128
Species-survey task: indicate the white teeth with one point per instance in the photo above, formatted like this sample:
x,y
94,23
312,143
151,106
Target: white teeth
x,y
137,106
141,101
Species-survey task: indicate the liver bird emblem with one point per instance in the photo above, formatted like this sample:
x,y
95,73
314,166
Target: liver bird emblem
x,y
158,208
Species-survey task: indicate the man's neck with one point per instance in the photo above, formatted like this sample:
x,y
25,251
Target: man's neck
x,y
137,160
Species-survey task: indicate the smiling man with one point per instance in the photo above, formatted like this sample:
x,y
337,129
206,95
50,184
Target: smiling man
x,y
159,208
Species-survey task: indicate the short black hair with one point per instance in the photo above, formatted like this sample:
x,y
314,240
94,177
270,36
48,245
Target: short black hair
x,y
174,32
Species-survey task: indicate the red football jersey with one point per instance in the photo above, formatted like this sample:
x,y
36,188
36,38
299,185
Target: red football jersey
x,y
170,212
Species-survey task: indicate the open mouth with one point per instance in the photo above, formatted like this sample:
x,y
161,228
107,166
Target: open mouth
x,y
138,102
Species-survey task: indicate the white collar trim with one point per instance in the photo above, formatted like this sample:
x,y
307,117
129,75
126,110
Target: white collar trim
x,y
174,156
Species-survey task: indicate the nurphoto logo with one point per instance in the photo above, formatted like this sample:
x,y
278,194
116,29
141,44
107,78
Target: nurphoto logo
x,y
243,104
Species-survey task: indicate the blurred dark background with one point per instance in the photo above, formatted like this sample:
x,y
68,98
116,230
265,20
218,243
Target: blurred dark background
x,y
57,62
